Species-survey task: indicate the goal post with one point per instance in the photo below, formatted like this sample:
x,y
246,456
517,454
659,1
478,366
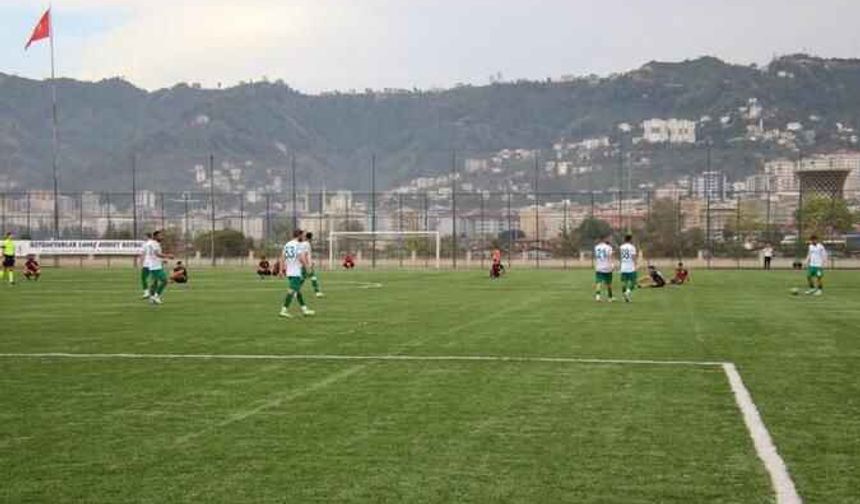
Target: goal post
x,y
334,236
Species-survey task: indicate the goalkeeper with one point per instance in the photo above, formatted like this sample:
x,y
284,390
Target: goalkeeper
x,y
310,271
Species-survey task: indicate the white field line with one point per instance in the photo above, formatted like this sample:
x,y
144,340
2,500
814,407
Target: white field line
x,y
275,401
326,357
782,483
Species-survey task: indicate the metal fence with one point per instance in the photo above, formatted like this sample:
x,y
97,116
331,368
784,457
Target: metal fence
x,y
544,229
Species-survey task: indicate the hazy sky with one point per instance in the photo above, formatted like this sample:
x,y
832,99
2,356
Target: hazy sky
x,y
318,45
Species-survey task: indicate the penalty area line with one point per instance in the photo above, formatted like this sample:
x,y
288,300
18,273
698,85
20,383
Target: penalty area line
x,y
327,357
783,485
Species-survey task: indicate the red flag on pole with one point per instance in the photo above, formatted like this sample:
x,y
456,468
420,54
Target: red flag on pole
x,y
42,30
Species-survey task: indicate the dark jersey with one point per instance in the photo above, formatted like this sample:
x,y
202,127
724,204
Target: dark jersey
x,y
31,265
657,278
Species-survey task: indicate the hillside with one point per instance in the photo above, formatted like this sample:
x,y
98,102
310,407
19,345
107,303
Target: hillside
x,y
256,126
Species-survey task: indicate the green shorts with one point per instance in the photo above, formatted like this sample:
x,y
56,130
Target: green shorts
x,y
628,278
814,271
158,274
602,278
295,283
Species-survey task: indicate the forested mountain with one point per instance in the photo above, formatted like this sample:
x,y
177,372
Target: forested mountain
x,y
257,126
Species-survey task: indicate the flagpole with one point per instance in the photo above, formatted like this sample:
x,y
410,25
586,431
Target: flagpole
x,y
55,141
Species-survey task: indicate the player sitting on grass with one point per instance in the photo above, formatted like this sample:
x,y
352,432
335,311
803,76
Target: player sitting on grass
x,y
682,275
603,267
310,271
32,270
180,274
264,269
628,254
294,259
815,259
655,279
348,262
497,269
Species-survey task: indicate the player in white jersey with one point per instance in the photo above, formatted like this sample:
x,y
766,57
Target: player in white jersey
x,y
152,261
144,271
603,267
295,260
310,272
815,260
629,255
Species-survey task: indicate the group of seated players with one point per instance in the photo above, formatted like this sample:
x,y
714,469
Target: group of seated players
x,y
266,269
656,279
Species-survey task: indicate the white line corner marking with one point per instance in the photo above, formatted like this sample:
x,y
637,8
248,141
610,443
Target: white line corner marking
x,y
786,493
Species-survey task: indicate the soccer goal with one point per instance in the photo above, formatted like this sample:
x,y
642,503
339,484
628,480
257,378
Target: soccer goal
x,y
404,243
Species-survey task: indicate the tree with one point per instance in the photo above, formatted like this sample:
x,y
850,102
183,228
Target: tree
x,y
228,243
660,236
826,216
591,230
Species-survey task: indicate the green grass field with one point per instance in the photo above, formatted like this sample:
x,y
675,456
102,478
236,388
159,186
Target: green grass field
x,y
109,429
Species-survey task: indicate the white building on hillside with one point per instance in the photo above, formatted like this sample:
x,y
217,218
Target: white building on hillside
x,y
675,131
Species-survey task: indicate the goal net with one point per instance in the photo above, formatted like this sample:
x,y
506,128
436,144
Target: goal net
x,y
385,248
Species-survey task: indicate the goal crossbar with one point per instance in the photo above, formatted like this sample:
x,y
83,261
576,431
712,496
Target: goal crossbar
x,y
334,235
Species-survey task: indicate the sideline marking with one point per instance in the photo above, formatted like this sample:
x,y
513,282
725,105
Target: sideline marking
x,y
783,485
786,493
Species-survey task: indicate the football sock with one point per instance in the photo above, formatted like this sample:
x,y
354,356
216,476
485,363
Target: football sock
x,y
144,276
300,298
289,299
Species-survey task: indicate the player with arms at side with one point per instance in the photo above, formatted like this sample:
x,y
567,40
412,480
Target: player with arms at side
x,y
9,258
628,254
295,258
153,261
144,270
815,259
603,267
310,271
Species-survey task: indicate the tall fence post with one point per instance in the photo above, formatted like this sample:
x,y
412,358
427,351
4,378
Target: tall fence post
x,y
81,216
510,231
738,235
29,228
3,212
454,208
565,232
400,228
186,237
268,219
483,232
212,208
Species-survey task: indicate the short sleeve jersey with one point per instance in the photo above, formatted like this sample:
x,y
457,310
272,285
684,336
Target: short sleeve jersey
x,y
603,258
628,258
292,250
151,250
817,255
8,247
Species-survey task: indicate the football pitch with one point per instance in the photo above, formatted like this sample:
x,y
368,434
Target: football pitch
x,y
427,387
